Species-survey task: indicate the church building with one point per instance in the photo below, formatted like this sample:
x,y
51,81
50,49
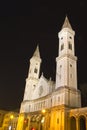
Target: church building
x,y
49,105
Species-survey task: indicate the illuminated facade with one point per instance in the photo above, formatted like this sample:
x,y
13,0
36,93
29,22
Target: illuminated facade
x,y
49,105
2,114
10,121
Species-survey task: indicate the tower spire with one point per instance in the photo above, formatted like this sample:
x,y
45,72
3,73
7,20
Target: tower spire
x,y
66,23
37,53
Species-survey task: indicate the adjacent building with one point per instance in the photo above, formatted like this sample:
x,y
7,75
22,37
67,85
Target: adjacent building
x,y
10,120
2,114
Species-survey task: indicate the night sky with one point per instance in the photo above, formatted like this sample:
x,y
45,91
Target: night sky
x,y
23,25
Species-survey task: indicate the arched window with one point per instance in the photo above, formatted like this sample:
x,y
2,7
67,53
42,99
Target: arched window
x,y
62,47
69,45
82,123
72,123
35,70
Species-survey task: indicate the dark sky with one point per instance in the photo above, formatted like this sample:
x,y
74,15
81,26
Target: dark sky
x,y
23,25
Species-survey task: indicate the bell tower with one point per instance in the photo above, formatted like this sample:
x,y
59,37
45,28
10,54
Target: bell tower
x,y
35,62
33,75
66,73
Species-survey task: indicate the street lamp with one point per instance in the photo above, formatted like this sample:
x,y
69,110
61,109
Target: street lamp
x,y
11,117
43,111
43,119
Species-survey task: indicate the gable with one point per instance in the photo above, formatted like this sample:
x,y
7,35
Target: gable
x,y
42,88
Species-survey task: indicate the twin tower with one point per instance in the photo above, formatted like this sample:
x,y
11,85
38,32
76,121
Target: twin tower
x,y
58,97
65,86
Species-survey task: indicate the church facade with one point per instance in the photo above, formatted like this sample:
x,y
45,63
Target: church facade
x,y
49,105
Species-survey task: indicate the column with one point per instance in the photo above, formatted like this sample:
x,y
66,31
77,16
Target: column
x,y
77,123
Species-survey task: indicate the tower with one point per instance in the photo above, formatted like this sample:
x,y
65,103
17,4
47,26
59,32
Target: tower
x,y
33,75
66,68
35,62
66,74
67,95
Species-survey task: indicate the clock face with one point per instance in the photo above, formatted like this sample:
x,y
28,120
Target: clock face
x,y
40,90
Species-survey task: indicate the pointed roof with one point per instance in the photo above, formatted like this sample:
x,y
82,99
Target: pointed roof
x,y
66,23
37,53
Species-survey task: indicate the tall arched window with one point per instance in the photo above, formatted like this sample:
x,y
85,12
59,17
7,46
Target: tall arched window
x,y
82,123
62,47
72,123
35,70
69,45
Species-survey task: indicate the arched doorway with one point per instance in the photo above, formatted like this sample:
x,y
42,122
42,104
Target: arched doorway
x,y
82,123
72,123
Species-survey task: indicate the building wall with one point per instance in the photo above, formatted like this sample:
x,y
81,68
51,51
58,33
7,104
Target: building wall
x,y
10,120
2,114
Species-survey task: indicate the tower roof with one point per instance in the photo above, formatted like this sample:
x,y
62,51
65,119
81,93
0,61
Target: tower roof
x,y
66,23
37,53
